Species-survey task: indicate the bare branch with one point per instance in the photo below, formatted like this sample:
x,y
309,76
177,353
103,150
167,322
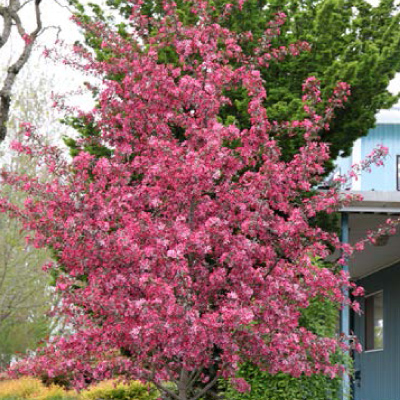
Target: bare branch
x,y
7,23
65,6
10,15
46,28
15,17
24,4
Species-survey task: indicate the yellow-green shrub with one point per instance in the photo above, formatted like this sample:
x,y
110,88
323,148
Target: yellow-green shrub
x,y
34,389
30,388
111,390
24,388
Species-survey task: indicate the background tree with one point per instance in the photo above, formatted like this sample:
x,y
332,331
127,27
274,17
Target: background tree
x,y
10,12
25,294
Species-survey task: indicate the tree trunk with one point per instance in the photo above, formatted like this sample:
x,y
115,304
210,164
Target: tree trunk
x,y
183,385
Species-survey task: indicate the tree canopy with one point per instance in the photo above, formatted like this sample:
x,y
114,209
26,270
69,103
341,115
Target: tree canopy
x,y
190,248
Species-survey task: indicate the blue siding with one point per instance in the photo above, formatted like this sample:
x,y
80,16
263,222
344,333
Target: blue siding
x,y
382,178
380,370
344,164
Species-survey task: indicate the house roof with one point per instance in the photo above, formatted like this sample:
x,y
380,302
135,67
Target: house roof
x,y
375,202
366,215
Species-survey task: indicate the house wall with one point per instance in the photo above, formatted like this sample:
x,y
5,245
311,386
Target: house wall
x,y
380,369
382,178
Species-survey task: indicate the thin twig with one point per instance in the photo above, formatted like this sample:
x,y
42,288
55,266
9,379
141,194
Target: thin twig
x,y
64,6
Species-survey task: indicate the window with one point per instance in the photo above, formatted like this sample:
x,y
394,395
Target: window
x,y
374,321
398,173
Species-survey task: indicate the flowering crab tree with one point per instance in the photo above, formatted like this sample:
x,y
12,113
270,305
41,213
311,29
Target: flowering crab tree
x,y
189,249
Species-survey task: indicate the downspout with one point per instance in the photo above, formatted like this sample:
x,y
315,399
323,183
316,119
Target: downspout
x,y
345,312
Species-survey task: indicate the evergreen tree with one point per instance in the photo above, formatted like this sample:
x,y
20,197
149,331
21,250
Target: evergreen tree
x,y
348,40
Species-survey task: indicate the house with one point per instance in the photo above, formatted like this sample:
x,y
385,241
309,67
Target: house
x,y
377,268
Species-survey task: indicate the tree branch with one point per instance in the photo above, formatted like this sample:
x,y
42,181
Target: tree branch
x,y
206,388
7,22
166,390
10,14
194,376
